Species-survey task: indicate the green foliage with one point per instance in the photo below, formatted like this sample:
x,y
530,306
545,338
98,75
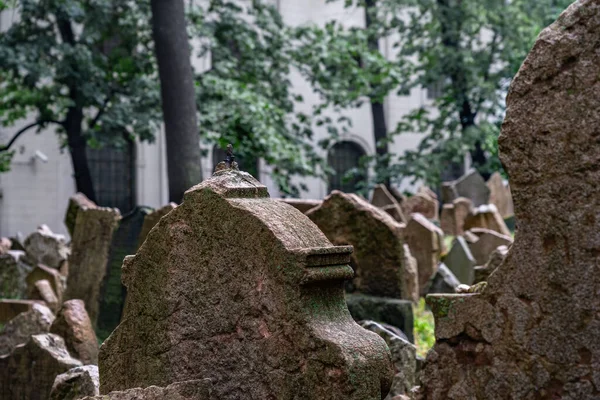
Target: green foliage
x,y
424,328
62,58
246,98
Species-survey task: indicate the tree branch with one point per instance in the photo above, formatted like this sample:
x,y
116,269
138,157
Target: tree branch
x,y
101,111
25,129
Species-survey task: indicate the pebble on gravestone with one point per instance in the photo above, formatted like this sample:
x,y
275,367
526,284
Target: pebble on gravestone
x,y
486,244
394,312
487,217
45,247
76,383
378,257
42,272
17,330
424,240
500,195
73,324
460,261
112,293
483,272
443,281
29,371
404,357
422,204
447,223
229,251
532,332
90,245
13,272
43,291
151,219
462,208
302,205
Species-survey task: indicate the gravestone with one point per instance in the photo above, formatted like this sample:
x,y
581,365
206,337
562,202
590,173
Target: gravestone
x,y
462,208
42,272
246,291
385,200
48,248
29,371
13,272
460,261
77,202
76,383
378,257
533,331
90,244
447,223
112,293
487,242
483,272
152,219
487,217
43,291
73,324
443,281
302,205
423,204
425,242
17,331
500,195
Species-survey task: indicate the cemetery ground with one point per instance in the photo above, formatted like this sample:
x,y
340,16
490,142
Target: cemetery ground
x,y
235,295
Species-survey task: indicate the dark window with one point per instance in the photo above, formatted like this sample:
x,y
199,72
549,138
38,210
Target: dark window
x,y
343,157
247,164
435,90
112,175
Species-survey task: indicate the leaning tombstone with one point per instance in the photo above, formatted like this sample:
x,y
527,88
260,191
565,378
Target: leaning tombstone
x,y
384,199
112,294
46,247
13,272
42,272
90,243
73,324
378,257
152,219
533,331
460,261
246,291
425,242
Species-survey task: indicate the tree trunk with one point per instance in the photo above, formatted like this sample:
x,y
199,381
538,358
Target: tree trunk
x,y
377,110
77,149
178,96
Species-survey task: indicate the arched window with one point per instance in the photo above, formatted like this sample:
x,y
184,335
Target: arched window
x,y
112,171
342,157
247,164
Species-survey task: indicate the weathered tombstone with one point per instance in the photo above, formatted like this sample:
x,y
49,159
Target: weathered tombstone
x,y
10,308
443,281
483,272
90,245
13,272
533,332
424,240
460,261
462,208
18,330
42,272
384,199
422,204
187,390
473,187
488,217
112,293
76,383
244,290
447,222
302,205
151,219
488,242
29,371
43,291
48,248
394,312
77,202
378,257
73,324
500,195
404,357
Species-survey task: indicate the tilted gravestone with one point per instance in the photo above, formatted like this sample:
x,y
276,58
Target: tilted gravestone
x,y
533,331
425,241
388,202
93,230
378,257
246,291
112,294
460,261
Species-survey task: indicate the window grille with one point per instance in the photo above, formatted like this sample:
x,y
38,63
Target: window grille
x,y
342,157
112,171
